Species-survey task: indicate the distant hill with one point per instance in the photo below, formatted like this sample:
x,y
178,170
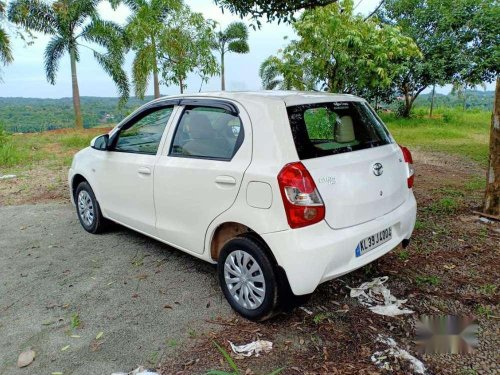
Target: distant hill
x,y
24,115
471,99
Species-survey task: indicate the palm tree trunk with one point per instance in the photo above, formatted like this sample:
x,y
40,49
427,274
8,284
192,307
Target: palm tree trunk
x,y
156,83
222,73
76,91
492,194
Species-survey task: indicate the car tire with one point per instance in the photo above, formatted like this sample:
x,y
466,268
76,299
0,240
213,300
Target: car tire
x,y
252,294
88,209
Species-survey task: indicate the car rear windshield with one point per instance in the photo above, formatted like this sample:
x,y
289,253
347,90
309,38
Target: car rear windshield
x,y
336,127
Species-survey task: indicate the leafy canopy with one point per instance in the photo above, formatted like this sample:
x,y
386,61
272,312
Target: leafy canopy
x,y
71,23
185,47
280,10
5,47
232,39
459,41
338,51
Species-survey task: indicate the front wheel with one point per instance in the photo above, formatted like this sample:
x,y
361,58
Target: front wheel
x,y
247,279
88,210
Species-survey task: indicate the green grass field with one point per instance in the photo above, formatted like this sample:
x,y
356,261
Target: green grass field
x,y
449,131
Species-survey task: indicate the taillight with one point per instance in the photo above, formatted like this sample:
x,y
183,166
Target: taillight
x,y
409,161
303,204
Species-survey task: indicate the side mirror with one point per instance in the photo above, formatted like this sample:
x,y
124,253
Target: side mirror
x,y
100,143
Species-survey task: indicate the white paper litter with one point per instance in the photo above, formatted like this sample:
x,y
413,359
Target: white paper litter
x,y
378,358
252,348
374,295
138,371
7,177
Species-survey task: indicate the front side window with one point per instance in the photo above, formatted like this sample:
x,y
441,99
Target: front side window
x,y
207,133
144,135
337,127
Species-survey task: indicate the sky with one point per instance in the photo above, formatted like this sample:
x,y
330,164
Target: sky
x,y
26,76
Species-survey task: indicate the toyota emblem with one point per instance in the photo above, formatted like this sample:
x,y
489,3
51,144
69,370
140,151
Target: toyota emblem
x,y
378,169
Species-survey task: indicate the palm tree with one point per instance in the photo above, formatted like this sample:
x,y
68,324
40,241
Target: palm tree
x,y
233,39
288,73
144,28
70,22
5,50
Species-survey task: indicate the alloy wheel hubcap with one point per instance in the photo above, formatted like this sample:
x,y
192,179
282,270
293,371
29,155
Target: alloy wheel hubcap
x,y
86,208
244,279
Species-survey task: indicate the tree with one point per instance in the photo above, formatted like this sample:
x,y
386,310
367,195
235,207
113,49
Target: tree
x,y
341,52
5,48
441,29
286,72
272,9
144,29
186,47
70,22
233,39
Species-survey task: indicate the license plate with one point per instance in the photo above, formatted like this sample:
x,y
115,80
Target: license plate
x,y
371,242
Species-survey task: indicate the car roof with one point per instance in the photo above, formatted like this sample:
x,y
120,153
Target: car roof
x,y
290,98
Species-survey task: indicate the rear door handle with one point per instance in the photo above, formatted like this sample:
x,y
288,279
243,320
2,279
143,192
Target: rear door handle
x,y
144,170
225,180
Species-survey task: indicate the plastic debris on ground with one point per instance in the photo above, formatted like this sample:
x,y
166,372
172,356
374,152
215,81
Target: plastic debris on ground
x,y
255,347
375,295
381,358
138,371
8,177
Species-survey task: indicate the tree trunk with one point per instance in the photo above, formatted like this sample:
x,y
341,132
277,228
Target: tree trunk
x,y
432,100
181,85
492,195
76,92
156,83
222,73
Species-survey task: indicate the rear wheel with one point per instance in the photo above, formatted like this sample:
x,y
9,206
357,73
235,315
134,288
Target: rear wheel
x,y
247,278
88,210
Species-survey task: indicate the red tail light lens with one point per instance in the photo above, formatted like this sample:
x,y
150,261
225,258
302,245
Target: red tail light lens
x,y
409,161
303,204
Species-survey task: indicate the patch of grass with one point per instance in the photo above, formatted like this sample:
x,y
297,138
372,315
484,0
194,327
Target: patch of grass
x,y
446,205
403,255
427,280
488,289
421,225
484,311
75,321
76,141
476,184
172,343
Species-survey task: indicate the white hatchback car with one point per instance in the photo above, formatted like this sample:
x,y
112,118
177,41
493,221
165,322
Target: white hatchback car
x,y
283,190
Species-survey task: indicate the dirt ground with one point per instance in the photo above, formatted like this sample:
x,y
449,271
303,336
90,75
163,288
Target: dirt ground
x,y
127,286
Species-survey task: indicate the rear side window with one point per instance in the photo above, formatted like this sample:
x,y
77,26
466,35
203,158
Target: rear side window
x,y
207,133
333,128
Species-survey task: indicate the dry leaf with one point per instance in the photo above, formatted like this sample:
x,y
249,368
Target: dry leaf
x,y
26,358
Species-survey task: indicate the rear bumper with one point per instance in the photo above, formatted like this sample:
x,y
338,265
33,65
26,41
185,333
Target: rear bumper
x,y
316,254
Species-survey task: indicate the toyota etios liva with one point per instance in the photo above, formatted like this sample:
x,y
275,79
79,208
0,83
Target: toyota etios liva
x,y
283,190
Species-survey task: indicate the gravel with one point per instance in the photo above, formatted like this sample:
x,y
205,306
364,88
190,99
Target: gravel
x,y
60,287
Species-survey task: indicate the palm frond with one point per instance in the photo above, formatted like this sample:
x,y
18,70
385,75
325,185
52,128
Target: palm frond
x,y
113,66
5,49
142,69
106,34
53,53
34,15
238,46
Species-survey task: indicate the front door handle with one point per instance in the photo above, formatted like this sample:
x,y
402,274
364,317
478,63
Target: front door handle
x,y
225,180
144,170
